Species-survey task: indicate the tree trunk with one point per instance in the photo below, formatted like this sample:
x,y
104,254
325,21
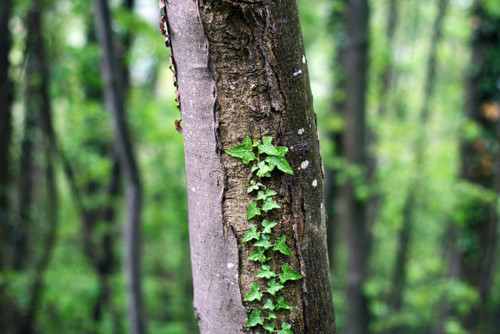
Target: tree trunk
x,y
406,233
6,95
353,213
479,158
115,103
241,72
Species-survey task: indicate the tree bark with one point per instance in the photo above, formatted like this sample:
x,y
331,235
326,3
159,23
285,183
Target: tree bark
x,y
241,72
353,213
406,233
115,104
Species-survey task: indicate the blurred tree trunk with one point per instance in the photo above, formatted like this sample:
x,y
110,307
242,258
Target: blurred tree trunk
x,y
6,97
38,113
241,72
387,73
479,158
114,95
353,212
405,236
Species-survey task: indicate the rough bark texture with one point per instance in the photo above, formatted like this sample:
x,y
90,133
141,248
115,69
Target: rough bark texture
x,y
242,72
353,213
133,193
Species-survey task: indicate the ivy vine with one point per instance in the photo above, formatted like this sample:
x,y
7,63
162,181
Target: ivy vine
x,y
266,158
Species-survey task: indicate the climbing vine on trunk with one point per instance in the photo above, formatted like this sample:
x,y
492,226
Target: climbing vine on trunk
x,y
267,159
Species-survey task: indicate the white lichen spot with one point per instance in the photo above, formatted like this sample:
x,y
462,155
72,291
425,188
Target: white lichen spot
x,y
315,183
230,265
321,205
304,164
193,189
304,59
297,74
301,131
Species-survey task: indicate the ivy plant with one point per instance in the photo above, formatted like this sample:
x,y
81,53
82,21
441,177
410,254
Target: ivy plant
x,y
265,158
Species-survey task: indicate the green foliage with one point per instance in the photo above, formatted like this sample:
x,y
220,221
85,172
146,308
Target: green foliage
x,y
254,293
282,246
243,151
263,203
288,274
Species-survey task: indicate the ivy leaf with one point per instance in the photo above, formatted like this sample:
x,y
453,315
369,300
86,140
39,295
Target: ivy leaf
x,y
263,195
274,287
252,234
267,147
268,226
254,293
269,305
269,327
288,274
253,210
255,186
282,151
271,316
285,329
243,151
264,242
269,204
266,272
281,163
282,304
255,319
282,246
258,255
264,169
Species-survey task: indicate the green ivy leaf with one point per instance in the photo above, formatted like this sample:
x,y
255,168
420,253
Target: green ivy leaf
x,y
282,304
264,169
255,319
264,242
268,226
288,274
274,287
271,316
264,195
252,234
253,210
258,255
254,186
267,147
285,329
282,247
269,204
243,151
269,305
279,162
266,272
269,327
282,151
254,294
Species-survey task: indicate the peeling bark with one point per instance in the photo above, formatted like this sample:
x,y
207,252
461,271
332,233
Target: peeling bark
x,y
242,72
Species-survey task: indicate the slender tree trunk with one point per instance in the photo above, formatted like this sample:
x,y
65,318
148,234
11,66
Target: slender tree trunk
x,y
479,158
406,234
6,96
353,213
241,72
387,73
133,197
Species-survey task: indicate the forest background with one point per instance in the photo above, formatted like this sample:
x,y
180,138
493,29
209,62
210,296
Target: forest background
x,y
426,179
